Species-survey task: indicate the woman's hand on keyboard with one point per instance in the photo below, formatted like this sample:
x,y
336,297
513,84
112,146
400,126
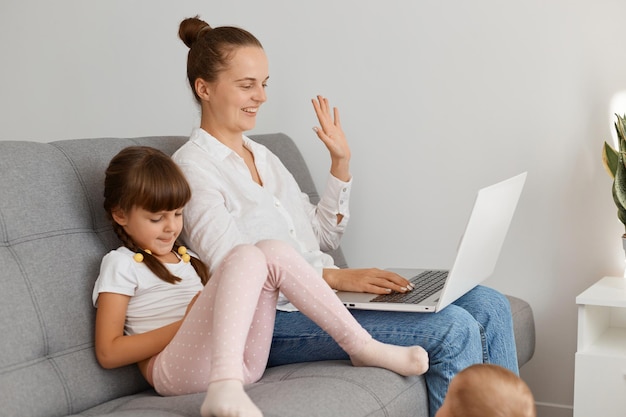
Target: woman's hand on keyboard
x,y
370,280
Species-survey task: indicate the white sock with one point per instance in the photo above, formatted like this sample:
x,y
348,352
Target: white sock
x,y
404,360
227,398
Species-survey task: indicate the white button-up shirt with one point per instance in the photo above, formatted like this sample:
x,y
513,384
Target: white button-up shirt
x,y
228,207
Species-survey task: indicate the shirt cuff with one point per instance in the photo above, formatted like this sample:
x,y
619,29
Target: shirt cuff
x,y
338,192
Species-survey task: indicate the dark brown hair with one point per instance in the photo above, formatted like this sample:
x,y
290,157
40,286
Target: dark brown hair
x,y
210,49
144,177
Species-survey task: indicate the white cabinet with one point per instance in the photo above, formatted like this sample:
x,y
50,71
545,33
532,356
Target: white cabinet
x,y
600,377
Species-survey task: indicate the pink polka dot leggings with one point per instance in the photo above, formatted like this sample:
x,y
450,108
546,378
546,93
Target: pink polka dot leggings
x,y
228,332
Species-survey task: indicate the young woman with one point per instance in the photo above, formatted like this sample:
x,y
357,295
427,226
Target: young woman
x,y
158,308
242,193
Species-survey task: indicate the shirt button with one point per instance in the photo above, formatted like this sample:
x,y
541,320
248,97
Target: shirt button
x,y
344,190
277,203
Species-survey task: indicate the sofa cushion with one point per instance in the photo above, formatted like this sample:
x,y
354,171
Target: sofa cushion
x,y
331,388
50,251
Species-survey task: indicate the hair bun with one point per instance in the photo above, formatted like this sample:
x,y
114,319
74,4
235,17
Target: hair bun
x,y
190,28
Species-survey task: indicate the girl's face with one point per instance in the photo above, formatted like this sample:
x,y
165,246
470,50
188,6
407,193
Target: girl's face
x,y
232,101
154,231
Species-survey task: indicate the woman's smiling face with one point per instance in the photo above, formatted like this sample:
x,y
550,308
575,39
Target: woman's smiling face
x,y
237,94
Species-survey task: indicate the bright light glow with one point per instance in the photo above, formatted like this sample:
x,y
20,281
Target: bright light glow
x,y
618,106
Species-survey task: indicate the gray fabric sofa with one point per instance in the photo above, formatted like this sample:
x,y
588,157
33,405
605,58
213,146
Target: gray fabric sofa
x,y
53,234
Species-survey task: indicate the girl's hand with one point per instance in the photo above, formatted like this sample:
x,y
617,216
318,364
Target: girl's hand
x,y
371,280
333,137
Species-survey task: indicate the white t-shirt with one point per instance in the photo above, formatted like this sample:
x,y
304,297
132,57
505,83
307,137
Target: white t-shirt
x,y
154,303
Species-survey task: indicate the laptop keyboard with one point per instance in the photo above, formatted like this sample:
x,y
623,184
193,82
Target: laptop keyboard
x,y
426,284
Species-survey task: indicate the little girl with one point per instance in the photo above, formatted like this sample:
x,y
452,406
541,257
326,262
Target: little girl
x,y
157,307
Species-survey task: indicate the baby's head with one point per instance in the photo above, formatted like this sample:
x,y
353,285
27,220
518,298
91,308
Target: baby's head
x,y
486,390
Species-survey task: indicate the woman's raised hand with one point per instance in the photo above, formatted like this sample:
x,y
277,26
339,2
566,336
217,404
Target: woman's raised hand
x,y
333,137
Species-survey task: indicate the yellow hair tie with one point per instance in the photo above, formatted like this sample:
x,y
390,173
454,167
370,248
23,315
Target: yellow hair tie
x,y
138,257
182,251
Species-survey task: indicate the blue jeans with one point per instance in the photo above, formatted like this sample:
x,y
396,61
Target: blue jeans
x,y
477,328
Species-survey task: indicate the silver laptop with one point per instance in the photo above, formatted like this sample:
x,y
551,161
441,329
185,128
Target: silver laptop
x,y
475,261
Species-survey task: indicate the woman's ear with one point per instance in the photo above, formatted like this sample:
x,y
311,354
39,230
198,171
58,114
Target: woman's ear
x,y
119,216
202,89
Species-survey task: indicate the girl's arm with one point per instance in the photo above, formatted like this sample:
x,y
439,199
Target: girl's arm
x,y
113,348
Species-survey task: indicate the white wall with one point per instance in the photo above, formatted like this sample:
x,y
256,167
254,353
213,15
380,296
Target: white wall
x,y
438,98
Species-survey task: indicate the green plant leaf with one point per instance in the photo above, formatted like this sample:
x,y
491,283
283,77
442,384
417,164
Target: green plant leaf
x,y
610,159
621,210
621,215
619,184
621,131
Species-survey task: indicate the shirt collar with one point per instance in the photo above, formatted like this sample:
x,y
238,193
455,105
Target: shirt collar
x,y
220,151
207,142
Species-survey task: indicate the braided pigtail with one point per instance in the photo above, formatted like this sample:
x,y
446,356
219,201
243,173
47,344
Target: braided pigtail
x,y
201,269
197,264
